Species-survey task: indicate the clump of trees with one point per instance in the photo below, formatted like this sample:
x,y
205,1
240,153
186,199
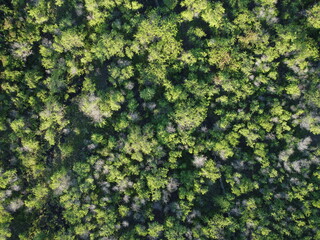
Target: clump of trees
x,y
164,119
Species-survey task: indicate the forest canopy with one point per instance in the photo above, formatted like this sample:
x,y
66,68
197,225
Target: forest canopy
x,y
159,119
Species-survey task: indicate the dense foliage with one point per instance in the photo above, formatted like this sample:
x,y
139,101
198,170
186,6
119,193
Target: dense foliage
x,y
161,119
